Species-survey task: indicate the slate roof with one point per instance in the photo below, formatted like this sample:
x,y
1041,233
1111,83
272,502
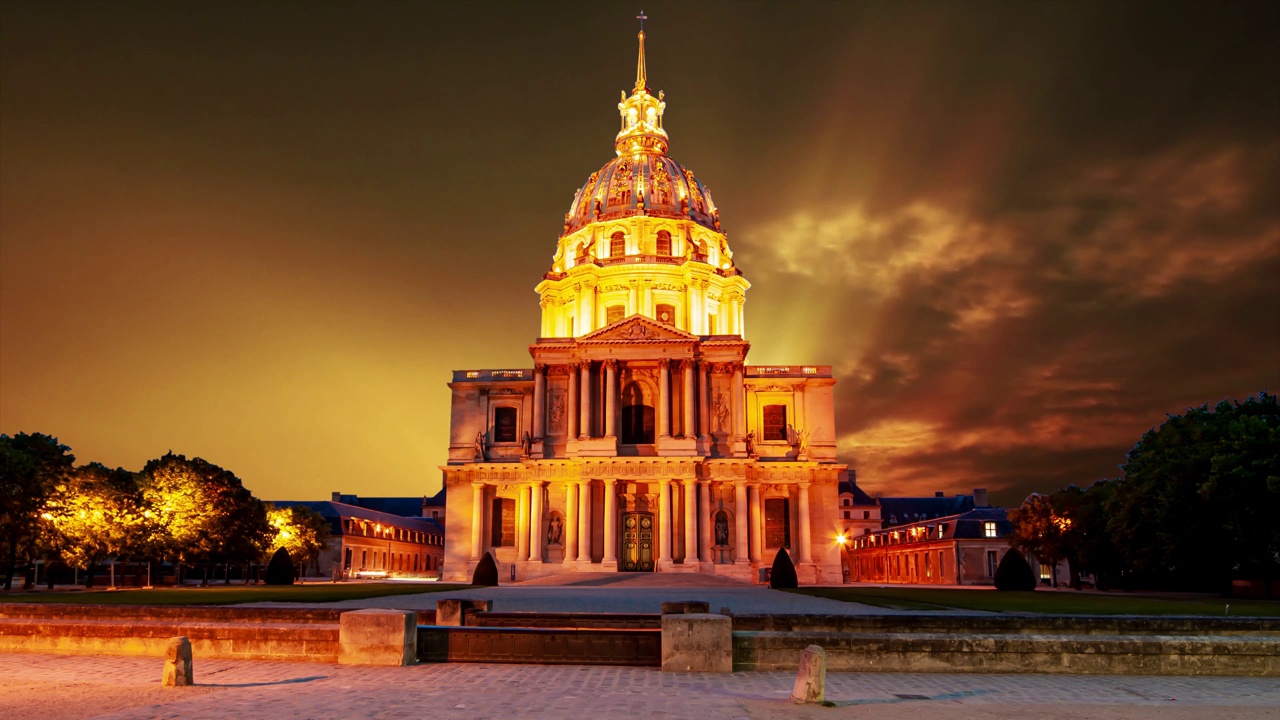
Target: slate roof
x,y
860,497
903,511
334,512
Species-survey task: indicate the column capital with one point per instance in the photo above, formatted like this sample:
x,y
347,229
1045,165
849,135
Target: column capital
x,y
608,482
664,363
539,368
804,484
703,481
478,483
585,365
610,364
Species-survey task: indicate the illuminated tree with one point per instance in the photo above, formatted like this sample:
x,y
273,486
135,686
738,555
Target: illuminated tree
x,y
298,529
30,465
1040,530
94,513
203,513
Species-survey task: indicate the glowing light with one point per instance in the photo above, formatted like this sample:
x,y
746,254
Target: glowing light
x,y
842,540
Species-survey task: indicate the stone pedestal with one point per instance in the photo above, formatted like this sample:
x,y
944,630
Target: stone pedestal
x,y
452,612
811,677
178,671
697,643
378,637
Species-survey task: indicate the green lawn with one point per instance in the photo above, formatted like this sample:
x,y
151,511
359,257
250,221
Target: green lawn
x,y
232,594
1044,601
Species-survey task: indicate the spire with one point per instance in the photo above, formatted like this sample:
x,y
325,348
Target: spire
x,y
641,113
641,74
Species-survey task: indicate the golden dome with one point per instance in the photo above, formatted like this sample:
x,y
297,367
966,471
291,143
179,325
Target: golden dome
x,y
642,180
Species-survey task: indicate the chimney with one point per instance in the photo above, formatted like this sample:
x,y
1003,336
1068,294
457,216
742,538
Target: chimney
x,y
337,496
939,494
980,498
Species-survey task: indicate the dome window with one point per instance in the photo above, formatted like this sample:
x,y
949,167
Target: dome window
x,y
664,243
617,245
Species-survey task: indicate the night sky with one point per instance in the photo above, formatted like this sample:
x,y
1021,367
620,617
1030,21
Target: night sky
x,y
265,233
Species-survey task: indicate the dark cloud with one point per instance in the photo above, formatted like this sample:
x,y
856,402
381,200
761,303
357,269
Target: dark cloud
x,y
1022,232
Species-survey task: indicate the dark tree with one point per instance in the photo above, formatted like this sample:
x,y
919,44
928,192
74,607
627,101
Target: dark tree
x,y
280,569
30,467
1200,497
783,574
1014,573
486,574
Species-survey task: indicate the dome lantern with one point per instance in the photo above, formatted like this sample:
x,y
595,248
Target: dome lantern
x,y
641,116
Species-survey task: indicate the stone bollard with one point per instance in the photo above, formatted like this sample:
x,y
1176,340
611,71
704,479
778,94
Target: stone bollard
x,y
811,677
696,642
378,637
177,664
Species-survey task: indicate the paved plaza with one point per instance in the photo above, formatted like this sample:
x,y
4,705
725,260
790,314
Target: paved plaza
x,y
61,687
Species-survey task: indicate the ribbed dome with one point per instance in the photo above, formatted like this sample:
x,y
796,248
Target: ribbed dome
x,y
642,184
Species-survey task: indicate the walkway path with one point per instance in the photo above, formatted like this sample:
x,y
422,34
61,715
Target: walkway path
x,y
54,687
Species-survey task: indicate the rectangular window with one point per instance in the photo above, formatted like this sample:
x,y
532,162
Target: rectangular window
x,y
502,521
989,529
504,425
1046,572
845,514
941,574
777,523
866,514
614,313
928,567
775,423
991,563
617,245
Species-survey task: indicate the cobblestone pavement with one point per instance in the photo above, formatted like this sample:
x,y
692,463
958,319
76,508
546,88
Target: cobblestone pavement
x,y
744,600
60,687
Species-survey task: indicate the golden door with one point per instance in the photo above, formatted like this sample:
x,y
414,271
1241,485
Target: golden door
x,y
637,542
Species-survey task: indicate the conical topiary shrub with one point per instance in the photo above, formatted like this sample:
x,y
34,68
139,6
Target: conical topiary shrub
x,y
783,574
486,573
280,569
1014,573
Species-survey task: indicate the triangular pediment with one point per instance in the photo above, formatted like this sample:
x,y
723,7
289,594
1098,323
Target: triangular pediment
x,y
637,328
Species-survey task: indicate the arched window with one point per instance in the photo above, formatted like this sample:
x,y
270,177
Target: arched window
x,y
664,243
617,245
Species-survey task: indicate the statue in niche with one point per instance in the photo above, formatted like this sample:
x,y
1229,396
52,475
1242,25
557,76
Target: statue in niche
x,y
480,446
722,528
802,442
526,444
555,531
722,413
751,443
557,412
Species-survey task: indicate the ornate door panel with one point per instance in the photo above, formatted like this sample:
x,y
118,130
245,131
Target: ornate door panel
x,y
637,542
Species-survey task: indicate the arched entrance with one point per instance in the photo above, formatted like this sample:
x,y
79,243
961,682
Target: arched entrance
x,y
637,416
637,542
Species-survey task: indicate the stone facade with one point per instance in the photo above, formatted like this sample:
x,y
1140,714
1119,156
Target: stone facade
x,y
640,439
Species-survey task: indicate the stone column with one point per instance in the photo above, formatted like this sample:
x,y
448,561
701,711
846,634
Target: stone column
x,y
806,550
570,522
633,298
546,317
477,519
690,520
610,397
664,396
589,300
756,525
584,399
539,399
648,297
738,397
522,524
686,428
703,513
610,522
584,521
704,400
664,521
572,410
740,512
535,522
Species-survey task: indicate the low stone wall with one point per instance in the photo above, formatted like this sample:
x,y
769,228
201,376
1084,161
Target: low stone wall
x,y
540,646
216,632
1013,653
1012,623
564,620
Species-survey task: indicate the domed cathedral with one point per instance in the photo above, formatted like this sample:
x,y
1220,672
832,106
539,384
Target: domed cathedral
x,y
640,441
